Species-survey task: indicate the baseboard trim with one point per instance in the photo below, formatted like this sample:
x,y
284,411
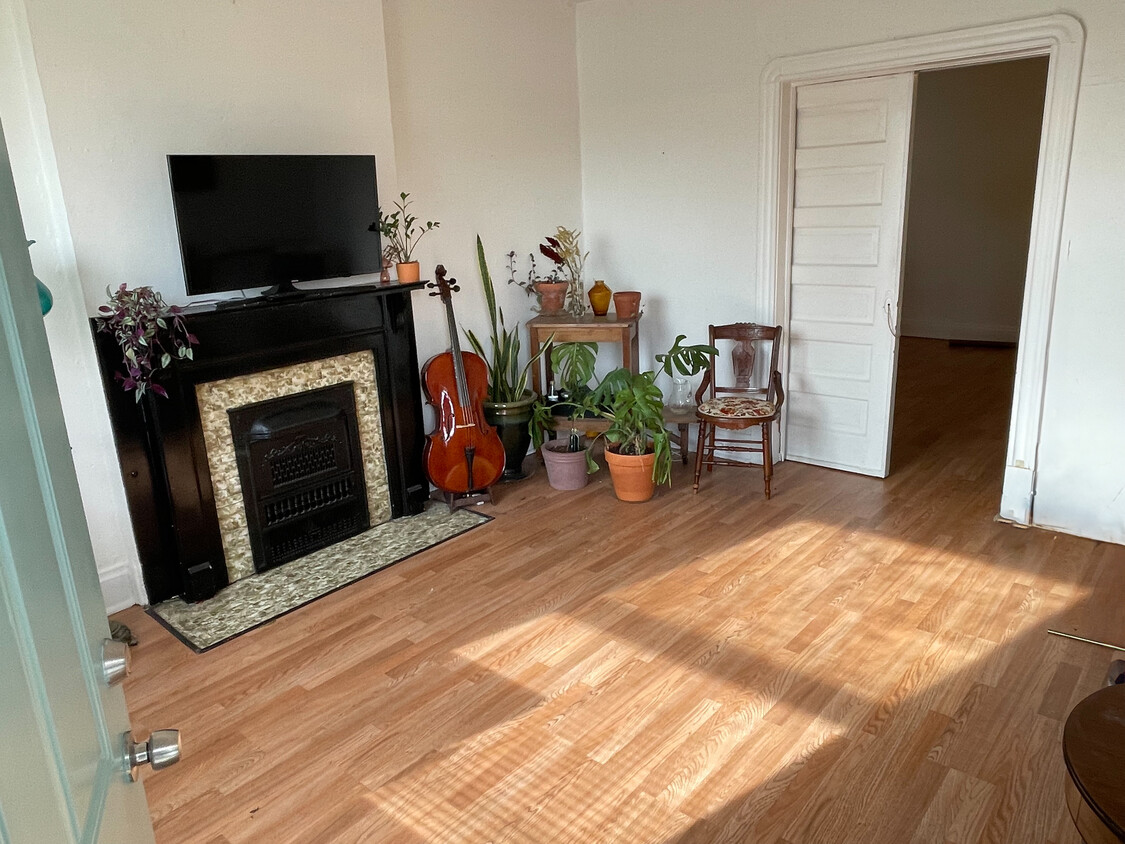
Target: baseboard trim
x,y
1019,490
119,587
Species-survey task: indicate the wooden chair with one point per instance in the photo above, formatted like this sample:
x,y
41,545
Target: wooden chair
x,y
743,405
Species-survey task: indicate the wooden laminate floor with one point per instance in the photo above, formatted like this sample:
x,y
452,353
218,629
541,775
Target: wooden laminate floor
x,y
856,660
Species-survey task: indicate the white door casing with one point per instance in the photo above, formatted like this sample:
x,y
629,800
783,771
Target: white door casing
x,y
1060,37
851,162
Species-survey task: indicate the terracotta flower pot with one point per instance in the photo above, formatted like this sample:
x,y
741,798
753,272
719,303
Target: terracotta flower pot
x,y
631,475
627,303
552,296
565,469
408,272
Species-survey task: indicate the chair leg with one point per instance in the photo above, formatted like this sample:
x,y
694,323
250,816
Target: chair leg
x,y
767,457
711,448
700,444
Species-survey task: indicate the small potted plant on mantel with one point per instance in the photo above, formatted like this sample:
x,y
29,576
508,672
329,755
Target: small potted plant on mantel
x,y
402,236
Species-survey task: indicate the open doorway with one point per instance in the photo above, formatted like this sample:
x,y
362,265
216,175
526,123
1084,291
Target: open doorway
x,y
974,157
1060,38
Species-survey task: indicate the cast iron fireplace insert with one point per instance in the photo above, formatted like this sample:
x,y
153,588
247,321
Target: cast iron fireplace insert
x,y
301,470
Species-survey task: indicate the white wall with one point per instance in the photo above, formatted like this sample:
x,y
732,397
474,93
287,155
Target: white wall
x,y
972,185
670,95
484,103
484,99
122,85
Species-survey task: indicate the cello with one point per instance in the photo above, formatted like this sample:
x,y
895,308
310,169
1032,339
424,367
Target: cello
x,y
464,453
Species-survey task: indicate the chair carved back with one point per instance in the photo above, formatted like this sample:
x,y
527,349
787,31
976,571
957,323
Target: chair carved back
x,y
746,344
743,356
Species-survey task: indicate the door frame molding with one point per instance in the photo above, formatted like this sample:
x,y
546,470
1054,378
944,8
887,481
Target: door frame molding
x,y
1062,38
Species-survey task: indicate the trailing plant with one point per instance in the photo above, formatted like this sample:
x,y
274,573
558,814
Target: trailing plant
x,y
401,234
533,277
150,333
507,380
525,286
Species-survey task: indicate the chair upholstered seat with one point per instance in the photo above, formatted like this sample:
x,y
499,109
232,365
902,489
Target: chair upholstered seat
x,y
736,407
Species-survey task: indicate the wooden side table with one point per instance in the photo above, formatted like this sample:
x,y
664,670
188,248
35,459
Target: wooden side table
x,y
682,418
1094,752
583,329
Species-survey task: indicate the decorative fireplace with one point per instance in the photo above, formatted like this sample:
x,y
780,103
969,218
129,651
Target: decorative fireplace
x,y
177,455
301,472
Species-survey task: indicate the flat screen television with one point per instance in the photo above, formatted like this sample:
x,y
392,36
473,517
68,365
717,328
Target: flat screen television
x,y
249,221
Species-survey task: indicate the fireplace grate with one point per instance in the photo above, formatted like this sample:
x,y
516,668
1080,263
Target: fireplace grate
x,y
284,550
307,501
303,459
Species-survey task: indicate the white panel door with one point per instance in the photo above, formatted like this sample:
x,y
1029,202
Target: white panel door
x,y
849,219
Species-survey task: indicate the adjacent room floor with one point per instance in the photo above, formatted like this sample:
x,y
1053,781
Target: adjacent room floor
x,y
855,660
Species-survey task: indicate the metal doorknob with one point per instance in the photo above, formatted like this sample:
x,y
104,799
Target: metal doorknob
x,y
161,750
117,661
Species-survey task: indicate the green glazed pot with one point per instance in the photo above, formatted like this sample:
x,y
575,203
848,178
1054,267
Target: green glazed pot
x,y
510,420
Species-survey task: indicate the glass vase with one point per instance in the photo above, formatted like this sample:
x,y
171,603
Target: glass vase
x,y
681,398
576,298
600,297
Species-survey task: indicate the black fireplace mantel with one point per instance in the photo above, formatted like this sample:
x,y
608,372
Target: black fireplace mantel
x,y
160,441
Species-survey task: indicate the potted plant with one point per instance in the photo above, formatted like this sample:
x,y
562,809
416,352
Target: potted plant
x,y
509,402
565,459
569,260
402,236
549,291
572,364
150,333
638,451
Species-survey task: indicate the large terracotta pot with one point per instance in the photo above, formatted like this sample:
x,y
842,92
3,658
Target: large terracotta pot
x,y
631,475
408,272
565,469
510,420
552,296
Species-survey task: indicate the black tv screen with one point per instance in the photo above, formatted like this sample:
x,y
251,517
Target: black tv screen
x,y
250,221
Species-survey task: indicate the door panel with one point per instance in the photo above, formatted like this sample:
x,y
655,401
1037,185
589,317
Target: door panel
x,y
63,777
850,182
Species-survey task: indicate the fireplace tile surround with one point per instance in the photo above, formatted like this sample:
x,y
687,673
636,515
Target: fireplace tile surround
x,y
215,398
363,333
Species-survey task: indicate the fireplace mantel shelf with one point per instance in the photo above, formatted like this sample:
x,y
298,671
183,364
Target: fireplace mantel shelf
x,y
306,296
